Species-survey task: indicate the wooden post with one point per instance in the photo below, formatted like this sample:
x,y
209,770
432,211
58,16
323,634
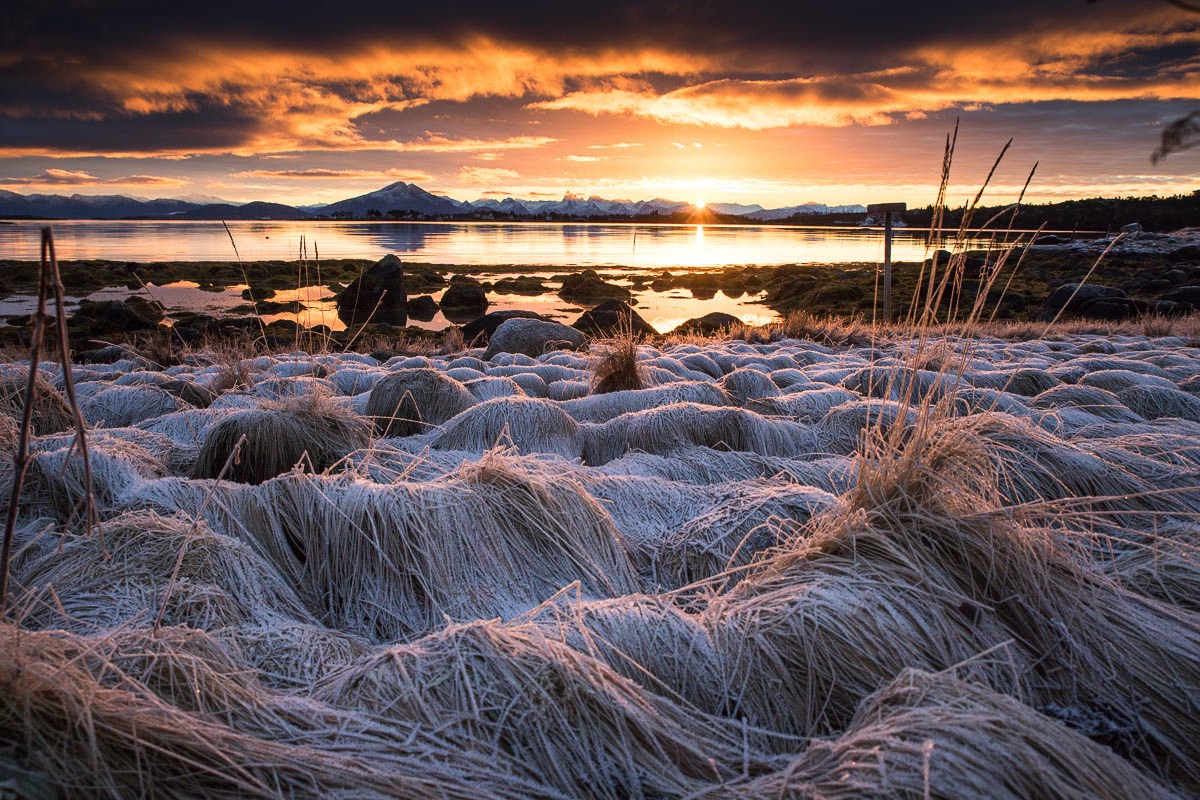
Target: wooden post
x,y
887,209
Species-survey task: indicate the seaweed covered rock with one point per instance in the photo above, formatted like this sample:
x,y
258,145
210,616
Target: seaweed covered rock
x,y
589,287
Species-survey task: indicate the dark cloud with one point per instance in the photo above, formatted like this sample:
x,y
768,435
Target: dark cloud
x,y
792,35
207,126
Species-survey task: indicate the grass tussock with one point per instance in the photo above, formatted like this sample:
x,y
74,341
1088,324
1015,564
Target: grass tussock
x,y
616,368
411,401
51,414
255,445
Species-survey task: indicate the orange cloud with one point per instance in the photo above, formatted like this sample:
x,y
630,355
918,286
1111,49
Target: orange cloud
x,y
65,177
335,174
486,176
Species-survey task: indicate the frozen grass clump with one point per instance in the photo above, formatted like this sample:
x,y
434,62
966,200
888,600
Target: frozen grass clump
x,y
743,385
667,428
808,405
99,582
530,424
56,482
1155,402
393,562
645,638
845,428
1096,402
415,400
564,715
603,407
122,406
490,387
934,735
310,435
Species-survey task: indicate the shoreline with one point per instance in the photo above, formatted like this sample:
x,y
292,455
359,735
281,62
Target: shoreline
x,y
1143,275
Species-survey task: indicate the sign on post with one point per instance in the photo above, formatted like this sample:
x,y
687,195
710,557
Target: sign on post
x,y
887,209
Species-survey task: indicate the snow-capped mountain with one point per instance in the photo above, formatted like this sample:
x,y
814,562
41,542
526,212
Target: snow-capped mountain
x,y
397,199
807,208
399,196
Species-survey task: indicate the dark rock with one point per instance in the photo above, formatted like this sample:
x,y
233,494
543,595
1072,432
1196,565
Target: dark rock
x,y
1184,294
1176,277
613,318
150,309
1070,297
1189,252
464,296
1050,238
480,329
108,316
1113,309
523,285
378,294
1169,308
708,324
663,282
589,287
1013,301
422,308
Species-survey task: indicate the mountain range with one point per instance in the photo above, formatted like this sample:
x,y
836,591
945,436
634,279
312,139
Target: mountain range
x,y
397,201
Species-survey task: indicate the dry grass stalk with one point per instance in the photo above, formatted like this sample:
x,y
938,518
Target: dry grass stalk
x,y
616,368
48,275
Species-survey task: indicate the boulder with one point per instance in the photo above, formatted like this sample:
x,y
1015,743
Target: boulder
x,y
533,337
1071,297
480,329
612,318
708,324
422,308
1184,294
1188,252
1132,228
377,295
462,296
1113,309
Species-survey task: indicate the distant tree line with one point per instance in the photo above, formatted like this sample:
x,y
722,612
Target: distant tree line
x,y
1157,214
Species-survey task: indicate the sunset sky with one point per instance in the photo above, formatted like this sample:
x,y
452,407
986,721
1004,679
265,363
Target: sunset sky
x,y
779,104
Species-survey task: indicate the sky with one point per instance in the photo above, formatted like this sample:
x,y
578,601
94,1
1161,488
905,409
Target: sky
x,y
760,102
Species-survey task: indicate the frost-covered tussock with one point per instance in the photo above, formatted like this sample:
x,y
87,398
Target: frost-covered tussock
x,y
948,569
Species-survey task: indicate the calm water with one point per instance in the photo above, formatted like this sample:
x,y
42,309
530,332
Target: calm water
x,y
616,251
652,247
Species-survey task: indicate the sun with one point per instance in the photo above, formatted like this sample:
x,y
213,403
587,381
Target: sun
x,y
700,204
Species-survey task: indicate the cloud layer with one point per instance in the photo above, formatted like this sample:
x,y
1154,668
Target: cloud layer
x,y
427,92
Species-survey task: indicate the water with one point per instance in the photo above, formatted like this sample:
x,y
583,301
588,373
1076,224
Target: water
x,y
617,251
649,247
